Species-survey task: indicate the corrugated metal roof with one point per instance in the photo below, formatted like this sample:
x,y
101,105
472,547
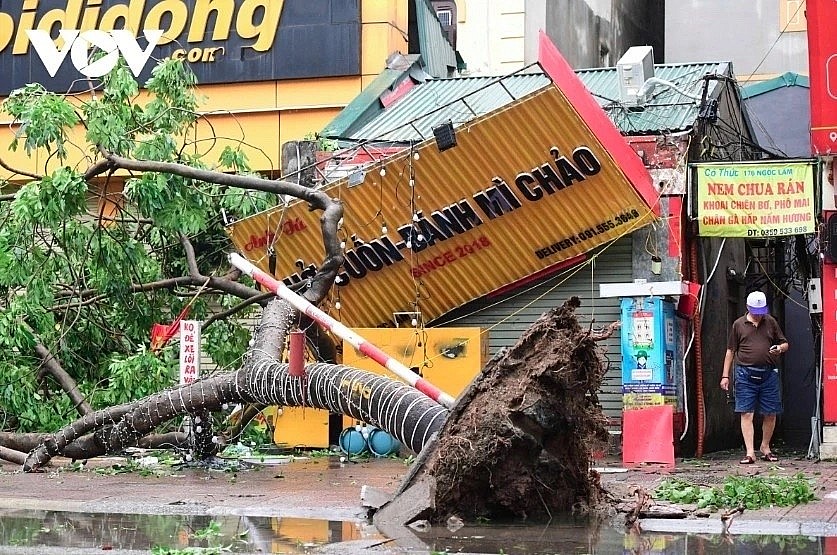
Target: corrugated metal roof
x,y
666,109
364,105
461,99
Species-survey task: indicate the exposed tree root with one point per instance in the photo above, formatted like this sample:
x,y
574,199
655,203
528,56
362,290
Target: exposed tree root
x,y
518,444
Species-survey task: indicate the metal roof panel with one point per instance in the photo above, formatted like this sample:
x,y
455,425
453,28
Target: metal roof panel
x,y
461,99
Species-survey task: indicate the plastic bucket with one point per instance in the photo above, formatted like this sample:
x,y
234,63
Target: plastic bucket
x,y
382,443
352,442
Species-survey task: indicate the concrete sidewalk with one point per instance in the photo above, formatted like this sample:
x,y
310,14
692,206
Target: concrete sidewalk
x,y
321,488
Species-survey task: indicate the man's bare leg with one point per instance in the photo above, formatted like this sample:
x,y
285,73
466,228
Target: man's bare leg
x,y
747,432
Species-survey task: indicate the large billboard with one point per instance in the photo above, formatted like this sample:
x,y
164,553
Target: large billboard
x,y
523,189
822,65
224,41
755,199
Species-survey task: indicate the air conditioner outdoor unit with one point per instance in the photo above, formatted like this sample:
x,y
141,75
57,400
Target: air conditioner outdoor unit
x,y
633,69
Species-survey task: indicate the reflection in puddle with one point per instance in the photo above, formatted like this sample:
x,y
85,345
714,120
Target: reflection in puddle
x,y
143,532
585,537
170,533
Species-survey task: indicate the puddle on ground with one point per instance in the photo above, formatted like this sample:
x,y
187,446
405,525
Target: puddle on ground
x,y
222,534
582,537
226,534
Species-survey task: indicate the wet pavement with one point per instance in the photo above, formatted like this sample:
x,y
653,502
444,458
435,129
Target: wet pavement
x,y
306,487
313,504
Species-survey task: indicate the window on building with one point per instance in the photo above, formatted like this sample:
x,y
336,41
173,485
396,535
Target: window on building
x,y
792,16
446,12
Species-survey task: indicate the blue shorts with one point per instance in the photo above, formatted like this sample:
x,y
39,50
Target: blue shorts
x,y
757,390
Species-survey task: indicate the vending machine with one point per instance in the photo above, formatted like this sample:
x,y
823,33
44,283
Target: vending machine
x,y
651,357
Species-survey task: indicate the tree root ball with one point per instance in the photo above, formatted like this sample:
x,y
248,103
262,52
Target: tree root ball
x,y
518,444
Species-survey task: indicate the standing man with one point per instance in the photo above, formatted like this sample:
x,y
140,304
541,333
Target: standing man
x,y
755,343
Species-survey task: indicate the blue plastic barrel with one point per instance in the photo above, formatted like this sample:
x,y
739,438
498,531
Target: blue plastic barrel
x,y
352,442
382,443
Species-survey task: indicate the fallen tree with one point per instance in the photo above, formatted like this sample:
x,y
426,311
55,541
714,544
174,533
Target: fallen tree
x,y
86,287
378,400
59,286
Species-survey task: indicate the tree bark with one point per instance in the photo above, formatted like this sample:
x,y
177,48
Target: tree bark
x,y
11,455
67,383
88,446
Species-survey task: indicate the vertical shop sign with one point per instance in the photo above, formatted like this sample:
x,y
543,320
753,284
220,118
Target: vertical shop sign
x,y
822,65
190,351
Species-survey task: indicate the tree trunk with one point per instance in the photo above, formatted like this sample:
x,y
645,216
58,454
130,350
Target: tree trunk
x,y
391,405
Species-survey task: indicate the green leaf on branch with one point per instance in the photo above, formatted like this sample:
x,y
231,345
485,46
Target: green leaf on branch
x,y
44,117
53,199
752,492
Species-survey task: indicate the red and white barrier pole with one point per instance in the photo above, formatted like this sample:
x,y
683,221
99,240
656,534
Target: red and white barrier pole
x,y
341,331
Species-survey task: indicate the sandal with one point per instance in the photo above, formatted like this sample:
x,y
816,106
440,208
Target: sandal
x,y
770,457
747,460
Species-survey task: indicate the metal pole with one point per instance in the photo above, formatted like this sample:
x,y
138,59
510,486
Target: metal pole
x,y
329,323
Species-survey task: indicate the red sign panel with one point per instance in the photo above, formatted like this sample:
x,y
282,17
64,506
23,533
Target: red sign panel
x,y
829,344
822,65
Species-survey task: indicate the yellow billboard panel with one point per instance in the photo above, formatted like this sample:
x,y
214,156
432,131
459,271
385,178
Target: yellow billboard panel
x,y
523,189
755,199
449,358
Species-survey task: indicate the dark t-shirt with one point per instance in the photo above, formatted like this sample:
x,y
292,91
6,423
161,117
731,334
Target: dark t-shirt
x,y
751,344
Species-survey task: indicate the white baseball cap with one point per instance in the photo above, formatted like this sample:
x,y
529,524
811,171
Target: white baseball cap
x,y
757,303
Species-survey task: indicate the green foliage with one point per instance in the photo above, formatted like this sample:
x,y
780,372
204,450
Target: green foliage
x,y
136,376
212,530
751,492
226,343
257,435
74,281
159,550
112,121
52,199
321,453
45,118
323,144
130,466
20,395
246,203
174,104
234,159
211,534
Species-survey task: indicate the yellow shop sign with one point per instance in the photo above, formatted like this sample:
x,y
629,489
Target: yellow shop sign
x,y
256,20
525,188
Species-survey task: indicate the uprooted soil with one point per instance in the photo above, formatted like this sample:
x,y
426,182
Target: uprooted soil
x,y
518,443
